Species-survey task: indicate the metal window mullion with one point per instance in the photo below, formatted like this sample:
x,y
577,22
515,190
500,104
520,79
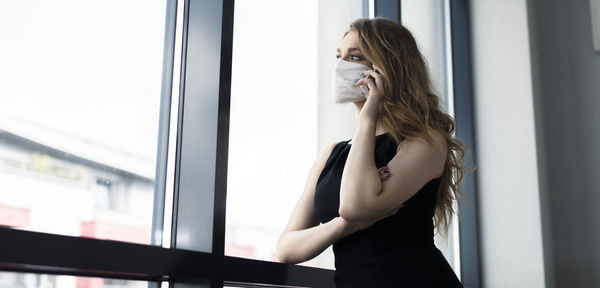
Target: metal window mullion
x,y
463,108
198,123
180,111
223,129
164,123
220,184
388,8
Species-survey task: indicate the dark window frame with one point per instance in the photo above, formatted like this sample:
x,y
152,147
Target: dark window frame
x,y
465,131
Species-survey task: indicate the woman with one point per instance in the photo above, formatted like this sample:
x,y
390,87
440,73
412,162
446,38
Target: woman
x,y
379,198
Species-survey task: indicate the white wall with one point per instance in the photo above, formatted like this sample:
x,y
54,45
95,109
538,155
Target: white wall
x,y
509,200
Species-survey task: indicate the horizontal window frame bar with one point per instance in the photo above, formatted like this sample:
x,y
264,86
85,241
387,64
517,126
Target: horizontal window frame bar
x,y
38,252
258,272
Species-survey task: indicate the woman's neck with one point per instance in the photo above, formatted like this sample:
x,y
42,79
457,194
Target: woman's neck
x,y
358,105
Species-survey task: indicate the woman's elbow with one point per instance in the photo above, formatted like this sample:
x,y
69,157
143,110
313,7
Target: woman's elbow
x,y
352,213
284,257
281,257
352,209
283,253
280,252
363,211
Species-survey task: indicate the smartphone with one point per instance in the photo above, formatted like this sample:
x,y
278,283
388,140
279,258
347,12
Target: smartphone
x,y
364,88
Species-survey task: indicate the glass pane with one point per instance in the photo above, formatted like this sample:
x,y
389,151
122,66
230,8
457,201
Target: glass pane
x,y
29,280
79,106
282,63
428,21
272,127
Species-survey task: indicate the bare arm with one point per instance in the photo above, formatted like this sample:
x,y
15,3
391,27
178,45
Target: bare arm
x,y
303,238
364,196
303,245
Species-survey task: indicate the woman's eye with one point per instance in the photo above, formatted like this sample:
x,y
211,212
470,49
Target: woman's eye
x,y
352,57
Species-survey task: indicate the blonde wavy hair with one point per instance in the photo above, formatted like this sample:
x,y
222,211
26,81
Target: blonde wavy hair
x,y
409,104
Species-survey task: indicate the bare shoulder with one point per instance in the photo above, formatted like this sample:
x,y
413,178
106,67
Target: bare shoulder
x,y
439,141
326,150
419,148
303,216
320,162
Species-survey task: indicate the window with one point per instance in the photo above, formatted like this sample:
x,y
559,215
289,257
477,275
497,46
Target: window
x,y
30,280
273,138
79,116
281,115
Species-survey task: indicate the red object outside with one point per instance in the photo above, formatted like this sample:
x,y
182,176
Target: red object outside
x,y
14,216
85,282
111,231
239,251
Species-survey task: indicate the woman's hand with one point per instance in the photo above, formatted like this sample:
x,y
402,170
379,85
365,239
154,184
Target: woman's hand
x,y
370,110
384,173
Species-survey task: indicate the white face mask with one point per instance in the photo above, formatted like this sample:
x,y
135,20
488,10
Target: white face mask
x,y
345,74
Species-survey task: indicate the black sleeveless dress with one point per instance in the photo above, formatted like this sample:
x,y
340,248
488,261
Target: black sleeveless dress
x,y
397,251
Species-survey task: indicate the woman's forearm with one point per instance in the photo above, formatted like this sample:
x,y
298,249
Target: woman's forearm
x,y
360,180
299,246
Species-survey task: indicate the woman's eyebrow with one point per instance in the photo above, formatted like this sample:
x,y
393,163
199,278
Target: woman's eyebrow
x,y
350,49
